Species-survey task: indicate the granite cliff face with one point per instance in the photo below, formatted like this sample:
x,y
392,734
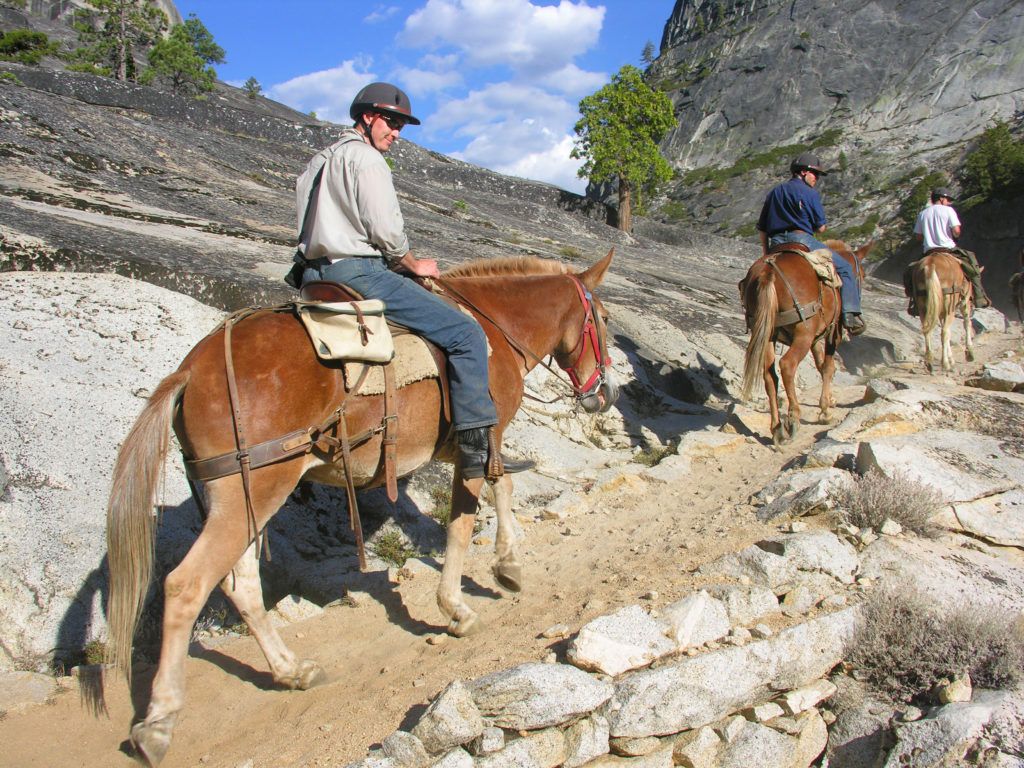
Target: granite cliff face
x,y
887,90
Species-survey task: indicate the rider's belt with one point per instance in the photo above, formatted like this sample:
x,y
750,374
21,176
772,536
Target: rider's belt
x,y
787,231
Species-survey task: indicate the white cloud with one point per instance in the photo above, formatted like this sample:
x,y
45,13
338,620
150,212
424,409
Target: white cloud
x,y
329,92
381,13
503,102
532,40
573,81
433,74
551,164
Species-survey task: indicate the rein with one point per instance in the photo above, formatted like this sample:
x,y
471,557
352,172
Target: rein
x,y
590,331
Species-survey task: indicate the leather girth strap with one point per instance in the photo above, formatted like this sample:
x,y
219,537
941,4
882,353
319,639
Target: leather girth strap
x,y
242,455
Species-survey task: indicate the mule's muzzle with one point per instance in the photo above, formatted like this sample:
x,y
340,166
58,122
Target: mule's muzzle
x,y
602,396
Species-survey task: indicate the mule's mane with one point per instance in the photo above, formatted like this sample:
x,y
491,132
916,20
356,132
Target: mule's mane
x,y
838,245
509,265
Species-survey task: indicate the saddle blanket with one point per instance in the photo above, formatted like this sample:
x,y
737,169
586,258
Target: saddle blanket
x,y
821,261
413,362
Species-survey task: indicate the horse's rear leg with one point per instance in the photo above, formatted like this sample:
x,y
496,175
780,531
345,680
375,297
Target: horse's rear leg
x,y
947,342
928,361
825,362
507,569
462,619
788,363
243,586
968,332
186,590
223,540
771,389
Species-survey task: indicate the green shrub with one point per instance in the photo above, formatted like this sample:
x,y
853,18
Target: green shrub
x,y
460,205
25,46
441,495
996,167
874,498
570,252
95,652
906,646
391,547
919,196
652,455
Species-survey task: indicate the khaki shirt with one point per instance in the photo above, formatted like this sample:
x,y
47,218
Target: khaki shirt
x,y
355,211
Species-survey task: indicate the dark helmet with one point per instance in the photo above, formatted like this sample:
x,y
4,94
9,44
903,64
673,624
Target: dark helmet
x,y
940,192
807,161
384,98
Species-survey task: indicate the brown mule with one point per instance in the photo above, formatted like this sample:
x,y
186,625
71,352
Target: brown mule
x,y
785,301
941,288
529,308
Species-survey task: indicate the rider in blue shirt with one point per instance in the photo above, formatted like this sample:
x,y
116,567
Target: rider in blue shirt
x,y
791,213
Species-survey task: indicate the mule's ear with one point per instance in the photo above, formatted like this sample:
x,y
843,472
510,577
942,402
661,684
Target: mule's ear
x,y
593,276
864,250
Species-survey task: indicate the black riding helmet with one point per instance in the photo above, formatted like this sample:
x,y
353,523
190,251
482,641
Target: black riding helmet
x,y
383,98
807,161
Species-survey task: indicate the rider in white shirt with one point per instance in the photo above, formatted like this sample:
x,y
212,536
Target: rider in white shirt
x,y
938,227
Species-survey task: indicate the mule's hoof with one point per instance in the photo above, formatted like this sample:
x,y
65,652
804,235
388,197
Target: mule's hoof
x,y
791,427
970,356
308,674
778,437
151,741
468,625
509,576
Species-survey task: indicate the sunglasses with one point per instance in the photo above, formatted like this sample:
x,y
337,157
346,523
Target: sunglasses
x,y
394,123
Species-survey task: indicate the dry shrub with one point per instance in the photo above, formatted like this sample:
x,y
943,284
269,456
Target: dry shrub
x,y
906,645
873,497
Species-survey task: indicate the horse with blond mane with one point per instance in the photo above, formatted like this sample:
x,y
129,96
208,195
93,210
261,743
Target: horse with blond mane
x,y
259,372
942,288
785,300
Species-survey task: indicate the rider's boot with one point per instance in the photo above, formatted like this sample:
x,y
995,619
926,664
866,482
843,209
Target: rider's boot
x,y
474,453
853,323
981,299
908,289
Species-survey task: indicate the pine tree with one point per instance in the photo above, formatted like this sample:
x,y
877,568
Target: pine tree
x,y
252,87
174,61
111,30
618,136
647,57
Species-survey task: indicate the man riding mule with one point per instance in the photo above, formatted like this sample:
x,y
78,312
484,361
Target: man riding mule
x,y
937,228
258,374
353,233
254,407
786,300
792,213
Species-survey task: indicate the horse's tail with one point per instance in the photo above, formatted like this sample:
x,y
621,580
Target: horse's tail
x,y
932,299
131,525
761,329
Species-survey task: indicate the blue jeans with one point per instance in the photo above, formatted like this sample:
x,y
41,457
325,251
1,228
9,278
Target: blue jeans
x,y
849,295
458,334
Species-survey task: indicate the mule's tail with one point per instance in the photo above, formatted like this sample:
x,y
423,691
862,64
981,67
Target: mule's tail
x,y
131,524
932,299
761,329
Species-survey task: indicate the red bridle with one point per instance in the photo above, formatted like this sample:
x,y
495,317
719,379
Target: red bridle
x,y
590,334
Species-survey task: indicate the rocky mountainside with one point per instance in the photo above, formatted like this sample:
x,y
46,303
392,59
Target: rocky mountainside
x,y
886,91
190,203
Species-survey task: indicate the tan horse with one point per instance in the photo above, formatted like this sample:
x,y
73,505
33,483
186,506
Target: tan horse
x,y
529,308
942,289
785,301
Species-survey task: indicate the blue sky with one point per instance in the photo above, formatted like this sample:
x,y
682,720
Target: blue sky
x,y
496,83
